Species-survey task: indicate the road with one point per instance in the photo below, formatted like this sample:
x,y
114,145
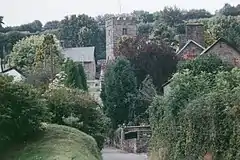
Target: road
x,y
114,154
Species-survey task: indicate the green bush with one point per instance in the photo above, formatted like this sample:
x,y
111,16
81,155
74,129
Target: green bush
x,y
77,109
21,112
200,114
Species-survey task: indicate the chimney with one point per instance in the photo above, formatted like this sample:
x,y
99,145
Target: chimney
x,y
195,32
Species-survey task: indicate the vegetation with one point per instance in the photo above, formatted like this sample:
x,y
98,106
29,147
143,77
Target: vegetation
x,y
57,142
75,75
179,118
38,57
77,109
21,112
119,89
156,59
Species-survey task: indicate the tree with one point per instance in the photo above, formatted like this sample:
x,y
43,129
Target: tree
x,y
197,14
75,75
156,59
51,25
83,31
1,21
204,63
171,15
38,57
22,112
144,98
229,10
119,90
205,92
77,109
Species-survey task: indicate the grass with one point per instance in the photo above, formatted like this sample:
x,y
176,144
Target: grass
x,y
57,143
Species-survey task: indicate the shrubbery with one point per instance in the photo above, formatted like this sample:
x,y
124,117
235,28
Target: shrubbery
x,y
21,112
200,114
76,108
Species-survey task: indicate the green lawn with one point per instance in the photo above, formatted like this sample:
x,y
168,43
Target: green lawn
x,y
58,143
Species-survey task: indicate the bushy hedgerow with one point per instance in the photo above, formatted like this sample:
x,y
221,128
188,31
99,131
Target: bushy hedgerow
x,y
21,112
200,114
77,109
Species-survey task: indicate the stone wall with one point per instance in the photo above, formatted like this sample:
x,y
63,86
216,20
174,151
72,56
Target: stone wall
x,y
90,70
138,144
226,53
192,50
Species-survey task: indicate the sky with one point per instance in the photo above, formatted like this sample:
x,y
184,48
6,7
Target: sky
x,y
18,12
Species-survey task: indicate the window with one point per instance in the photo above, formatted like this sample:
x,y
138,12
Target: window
x,y
124,32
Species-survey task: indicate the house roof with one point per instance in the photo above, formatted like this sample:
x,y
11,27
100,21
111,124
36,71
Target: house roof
x,y
216,42
13,68
85,54
188,43
169,81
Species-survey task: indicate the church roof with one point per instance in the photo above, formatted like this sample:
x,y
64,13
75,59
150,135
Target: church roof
x,y
187,44
79,54
216,42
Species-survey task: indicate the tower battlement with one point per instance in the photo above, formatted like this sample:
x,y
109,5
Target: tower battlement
x,y
116,27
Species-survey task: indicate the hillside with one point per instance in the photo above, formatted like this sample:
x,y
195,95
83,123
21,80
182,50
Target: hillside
x,y
58,143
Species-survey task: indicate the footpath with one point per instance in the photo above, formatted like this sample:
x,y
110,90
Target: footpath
x,y
116,154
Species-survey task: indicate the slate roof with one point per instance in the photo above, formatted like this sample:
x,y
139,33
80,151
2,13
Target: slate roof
x,y
189,42
13,68
85,54
216,42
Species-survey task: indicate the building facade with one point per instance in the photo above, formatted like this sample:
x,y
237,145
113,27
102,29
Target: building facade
x,y
84,55
116,27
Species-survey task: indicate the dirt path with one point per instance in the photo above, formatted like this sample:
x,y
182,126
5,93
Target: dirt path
x,y
115,154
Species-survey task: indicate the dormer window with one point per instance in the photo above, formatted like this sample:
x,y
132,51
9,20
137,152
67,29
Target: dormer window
x,y
124,31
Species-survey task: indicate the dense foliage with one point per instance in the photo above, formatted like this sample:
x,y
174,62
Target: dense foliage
x,y
199,114
77,109
21,112
39,57
118,92
75,75
156,59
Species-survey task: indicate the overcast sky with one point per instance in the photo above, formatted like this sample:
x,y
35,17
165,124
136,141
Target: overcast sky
x,y
17,12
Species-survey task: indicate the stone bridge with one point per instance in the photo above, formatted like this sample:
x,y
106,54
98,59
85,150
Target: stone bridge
x,y
133,139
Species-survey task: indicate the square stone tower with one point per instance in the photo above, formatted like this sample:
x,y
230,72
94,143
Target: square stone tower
x,y
116,27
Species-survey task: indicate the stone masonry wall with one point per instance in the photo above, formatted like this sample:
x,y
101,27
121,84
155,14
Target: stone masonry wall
x,y
191,49
226,53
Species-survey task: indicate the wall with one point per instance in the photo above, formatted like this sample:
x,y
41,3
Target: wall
x,y
90,70
226,53
138,144
191,49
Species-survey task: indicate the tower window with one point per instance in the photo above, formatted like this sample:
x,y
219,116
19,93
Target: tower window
x,y
124,31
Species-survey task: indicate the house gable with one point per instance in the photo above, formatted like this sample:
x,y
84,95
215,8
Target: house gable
x,y
190,50
225,51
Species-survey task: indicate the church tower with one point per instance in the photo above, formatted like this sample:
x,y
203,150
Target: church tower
x,y
116,27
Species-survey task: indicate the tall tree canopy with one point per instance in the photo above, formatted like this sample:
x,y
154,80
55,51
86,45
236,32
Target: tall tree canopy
x,y
75,75
118,91
148,58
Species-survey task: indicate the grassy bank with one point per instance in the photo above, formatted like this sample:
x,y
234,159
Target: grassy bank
x,y
57,143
